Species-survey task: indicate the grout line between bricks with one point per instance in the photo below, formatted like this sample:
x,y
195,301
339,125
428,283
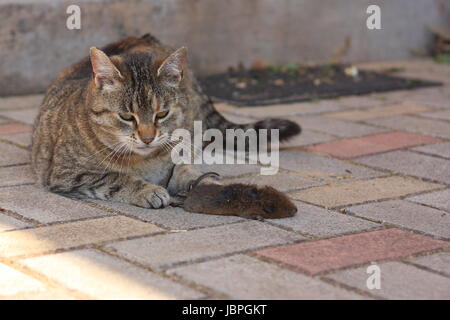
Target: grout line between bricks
x,y
42,278
425,268
192,285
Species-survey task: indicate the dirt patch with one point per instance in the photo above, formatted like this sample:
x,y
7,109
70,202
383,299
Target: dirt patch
x,y
275,85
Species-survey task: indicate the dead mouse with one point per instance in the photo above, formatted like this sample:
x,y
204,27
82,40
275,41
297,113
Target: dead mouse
x,y
244,200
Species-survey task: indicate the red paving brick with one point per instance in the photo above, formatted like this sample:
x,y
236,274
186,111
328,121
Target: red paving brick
x,y
356,147
323,255
11,128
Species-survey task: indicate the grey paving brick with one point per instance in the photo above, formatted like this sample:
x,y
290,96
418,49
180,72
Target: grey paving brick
x,y
415,124
438,115
21,102
323,169
288,110
280,181
229,170
407,214
436,97
340,128
101,276
307,137
366,101
410,163
8,223
23,139
438,149
26,116
237,118
437,199
439,262
320,222
383,111
170,217
35,203
165,250
398,281
258,280
10,155
15,175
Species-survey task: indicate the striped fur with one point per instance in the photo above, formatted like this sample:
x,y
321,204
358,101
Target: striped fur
x,y
83,148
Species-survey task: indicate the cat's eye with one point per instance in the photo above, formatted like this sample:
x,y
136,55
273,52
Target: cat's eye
x,y
126,116
162,114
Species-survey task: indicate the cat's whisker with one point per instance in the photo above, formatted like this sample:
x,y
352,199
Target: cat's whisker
x,y
111,156
108,155
97,152
117,154
123,158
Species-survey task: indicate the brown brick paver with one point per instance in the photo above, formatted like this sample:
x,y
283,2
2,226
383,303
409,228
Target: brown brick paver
x,y
325,255
356,147
359,191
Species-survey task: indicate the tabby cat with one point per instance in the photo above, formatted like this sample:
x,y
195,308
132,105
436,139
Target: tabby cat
x,y
104,127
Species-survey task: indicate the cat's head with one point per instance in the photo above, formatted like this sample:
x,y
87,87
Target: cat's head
x,y
137,100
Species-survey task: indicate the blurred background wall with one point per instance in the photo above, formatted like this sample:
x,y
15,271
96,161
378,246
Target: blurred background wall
x,y
35,43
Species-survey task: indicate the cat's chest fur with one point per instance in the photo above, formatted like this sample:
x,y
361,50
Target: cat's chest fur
x,y
156,170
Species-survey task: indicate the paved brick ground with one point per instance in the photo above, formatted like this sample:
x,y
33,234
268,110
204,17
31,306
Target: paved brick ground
x,y
370,176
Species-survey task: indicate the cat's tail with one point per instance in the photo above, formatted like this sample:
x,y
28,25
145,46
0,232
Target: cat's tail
x,y
286,128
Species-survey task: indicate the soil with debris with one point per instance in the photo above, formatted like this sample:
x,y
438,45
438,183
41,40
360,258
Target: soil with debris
x,y
292,83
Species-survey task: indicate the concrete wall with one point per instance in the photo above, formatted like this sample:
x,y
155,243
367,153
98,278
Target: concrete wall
x,y
35,43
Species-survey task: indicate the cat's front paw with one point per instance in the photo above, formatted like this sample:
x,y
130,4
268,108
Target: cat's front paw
x,y
153,197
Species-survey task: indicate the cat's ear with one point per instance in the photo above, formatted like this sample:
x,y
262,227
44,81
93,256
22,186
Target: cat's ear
x,y
105,72
171,69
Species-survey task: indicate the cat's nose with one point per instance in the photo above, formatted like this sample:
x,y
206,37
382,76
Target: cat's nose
x,y
147,140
